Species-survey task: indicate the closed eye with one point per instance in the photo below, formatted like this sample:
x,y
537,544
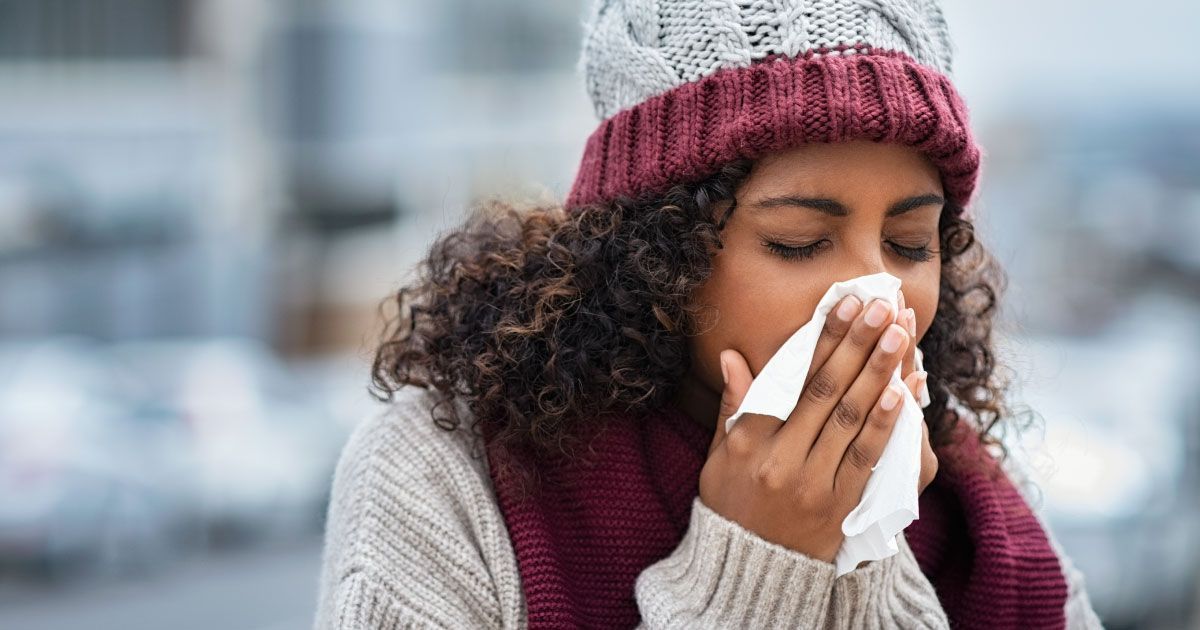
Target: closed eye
x,y
921,253
789,252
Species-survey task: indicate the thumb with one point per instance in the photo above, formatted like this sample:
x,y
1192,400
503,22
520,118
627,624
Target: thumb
x,y
737,376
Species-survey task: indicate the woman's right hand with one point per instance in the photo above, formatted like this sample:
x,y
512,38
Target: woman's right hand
x,y
794,482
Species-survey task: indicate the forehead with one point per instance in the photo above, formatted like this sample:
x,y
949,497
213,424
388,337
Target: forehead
x,y
854,167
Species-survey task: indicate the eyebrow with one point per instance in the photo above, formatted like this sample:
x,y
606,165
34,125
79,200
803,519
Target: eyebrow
x,y
835,208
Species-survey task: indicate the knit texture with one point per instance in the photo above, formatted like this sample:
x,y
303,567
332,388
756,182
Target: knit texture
x,y
993,563
592,527
682,87
415,538
610,516
635,49
595,525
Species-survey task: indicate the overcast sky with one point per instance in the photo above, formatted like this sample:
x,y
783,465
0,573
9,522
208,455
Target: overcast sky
x,y
1042,55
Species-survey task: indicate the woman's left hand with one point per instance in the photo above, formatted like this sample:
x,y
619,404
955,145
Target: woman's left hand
x,y
915,380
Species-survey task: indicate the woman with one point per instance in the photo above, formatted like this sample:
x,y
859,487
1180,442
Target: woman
x,y
554,454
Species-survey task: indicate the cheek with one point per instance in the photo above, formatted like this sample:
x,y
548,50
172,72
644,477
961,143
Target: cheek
x,y
921,294
753,308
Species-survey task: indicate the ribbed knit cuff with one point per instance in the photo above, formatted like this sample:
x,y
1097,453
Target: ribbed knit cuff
x,y
723,575
892,592
359,604
687,133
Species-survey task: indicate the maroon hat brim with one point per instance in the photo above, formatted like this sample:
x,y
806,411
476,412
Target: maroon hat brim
x,y
685,134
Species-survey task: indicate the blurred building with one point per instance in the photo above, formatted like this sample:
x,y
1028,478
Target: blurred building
x,y
139,191
263,168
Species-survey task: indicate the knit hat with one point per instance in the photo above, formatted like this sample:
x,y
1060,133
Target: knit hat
x,y
683,86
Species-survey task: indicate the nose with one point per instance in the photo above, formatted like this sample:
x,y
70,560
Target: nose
x,y
864,261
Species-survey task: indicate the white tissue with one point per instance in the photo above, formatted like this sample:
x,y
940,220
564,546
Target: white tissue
x,y
889,501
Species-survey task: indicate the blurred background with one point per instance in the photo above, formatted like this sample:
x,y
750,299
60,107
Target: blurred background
x,y
203,203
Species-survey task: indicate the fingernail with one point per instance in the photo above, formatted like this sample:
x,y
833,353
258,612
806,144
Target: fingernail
x,y
890,398
891,340
924,376
877,313
848,308
724,370
912,322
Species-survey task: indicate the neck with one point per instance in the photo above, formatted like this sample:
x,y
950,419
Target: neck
x,y
698,401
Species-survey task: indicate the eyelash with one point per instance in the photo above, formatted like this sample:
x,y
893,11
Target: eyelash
x,y
787,252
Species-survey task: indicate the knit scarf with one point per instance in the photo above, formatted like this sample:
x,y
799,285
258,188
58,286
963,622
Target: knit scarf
x,y
595,523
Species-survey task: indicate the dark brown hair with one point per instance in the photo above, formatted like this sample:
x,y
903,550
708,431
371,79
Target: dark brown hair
x,y
541,320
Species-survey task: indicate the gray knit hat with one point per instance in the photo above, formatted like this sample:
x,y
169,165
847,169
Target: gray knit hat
x,y
682,86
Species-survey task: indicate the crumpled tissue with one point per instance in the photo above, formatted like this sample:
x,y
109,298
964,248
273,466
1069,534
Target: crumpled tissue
x,y
889,501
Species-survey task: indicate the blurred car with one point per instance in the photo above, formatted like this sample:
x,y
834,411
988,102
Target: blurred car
x,y
118,456
85,480
262,444
1116,462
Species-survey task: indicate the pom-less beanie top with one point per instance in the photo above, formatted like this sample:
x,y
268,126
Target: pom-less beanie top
x,y
682,86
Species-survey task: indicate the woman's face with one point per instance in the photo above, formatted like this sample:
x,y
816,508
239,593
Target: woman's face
x,y
806,218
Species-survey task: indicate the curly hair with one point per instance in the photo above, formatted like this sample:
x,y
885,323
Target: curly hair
x,y
541,320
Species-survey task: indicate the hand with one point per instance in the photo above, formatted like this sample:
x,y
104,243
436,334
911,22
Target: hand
x,y
793,483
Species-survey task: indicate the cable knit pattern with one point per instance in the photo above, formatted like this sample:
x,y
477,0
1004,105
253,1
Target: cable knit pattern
x,y
636,49
682,87
415,539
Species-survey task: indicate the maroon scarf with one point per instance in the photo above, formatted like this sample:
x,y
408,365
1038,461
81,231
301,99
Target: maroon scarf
x,y
595,525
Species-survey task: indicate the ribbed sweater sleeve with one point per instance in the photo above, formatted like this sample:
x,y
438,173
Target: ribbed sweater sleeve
x,y
413,535
721,575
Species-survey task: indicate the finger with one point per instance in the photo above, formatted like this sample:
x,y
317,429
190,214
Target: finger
x,y
914,382
837,324
825,388
903,318
908,319
866,449
736,373
848,416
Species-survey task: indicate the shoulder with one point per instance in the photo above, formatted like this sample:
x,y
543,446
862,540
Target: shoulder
x,y
401,439
396,464
413,524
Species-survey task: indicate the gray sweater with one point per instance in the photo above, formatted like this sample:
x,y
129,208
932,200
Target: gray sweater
x,y
415,539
